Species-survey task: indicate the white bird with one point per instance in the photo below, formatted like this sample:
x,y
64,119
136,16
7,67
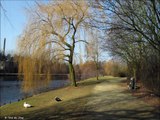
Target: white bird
x,y
57,99
26,105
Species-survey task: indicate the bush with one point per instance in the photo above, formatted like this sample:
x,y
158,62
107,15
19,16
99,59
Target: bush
x,y
88,69
116,69
151,73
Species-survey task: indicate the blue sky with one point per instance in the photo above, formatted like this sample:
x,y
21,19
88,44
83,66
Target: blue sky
x,y
13,20
13,25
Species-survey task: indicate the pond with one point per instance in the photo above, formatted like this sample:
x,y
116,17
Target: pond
x,y
10,89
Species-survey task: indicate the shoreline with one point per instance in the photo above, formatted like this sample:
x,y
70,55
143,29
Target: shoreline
x,y
106,98
21,95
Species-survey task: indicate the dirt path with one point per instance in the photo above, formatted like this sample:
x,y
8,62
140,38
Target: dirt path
x,y
113,102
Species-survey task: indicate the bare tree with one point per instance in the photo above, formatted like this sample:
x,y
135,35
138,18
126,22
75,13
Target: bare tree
x,y
132,32
94,51
121,43
142,17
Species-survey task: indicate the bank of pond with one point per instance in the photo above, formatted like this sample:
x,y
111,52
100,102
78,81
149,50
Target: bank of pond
x,y
11,89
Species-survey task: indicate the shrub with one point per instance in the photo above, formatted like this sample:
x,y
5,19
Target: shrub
x,y
115,68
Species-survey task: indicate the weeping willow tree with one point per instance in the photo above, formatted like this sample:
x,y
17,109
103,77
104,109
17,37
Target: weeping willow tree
x,y
51,34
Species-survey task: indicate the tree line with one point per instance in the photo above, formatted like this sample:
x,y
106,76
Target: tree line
x,y
128,30
8,63
132,33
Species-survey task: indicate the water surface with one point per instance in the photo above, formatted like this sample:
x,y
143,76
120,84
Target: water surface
x,y
10,89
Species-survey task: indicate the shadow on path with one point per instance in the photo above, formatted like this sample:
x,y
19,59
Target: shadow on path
x,y
93,108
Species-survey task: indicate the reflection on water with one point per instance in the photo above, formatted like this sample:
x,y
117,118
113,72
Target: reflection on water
x,y
10,89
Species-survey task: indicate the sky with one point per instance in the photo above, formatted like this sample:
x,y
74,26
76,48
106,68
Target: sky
x,y
13,19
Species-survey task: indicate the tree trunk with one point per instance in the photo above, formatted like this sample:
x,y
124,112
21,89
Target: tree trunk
x,y
135,76
72,74
97,71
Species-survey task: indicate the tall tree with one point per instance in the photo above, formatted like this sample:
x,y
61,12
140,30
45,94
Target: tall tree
x,y
122,44
52,33
133,29
94,50
142,17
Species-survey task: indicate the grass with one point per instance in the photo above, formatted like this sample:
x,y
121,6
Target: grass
x,y
92,99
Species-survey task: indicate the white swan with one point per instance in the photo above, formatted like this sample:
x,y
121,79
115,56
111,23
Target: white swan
x,y
26,105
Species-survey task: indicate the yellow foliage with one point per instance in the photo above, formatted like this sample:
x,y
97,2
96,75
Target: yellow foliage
x,y
45,40
36,73
115,68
